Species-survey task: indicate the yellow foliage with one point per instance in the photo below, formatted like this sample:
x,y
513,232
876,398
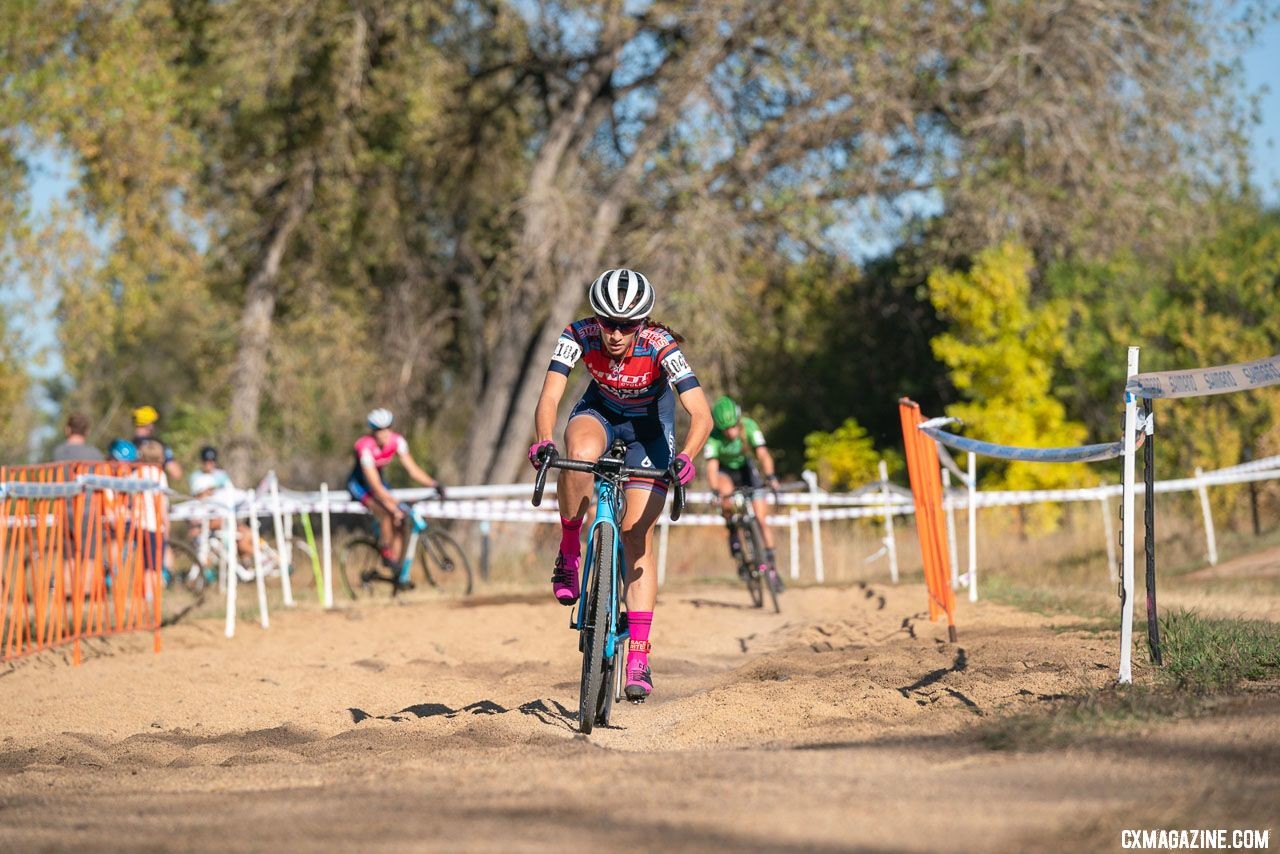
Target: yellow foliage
x,y
999,350
845,458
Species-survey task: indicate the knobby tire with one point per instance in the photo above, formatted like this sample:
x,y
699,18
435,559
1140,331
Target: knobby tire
x,y
444,563
595,697
358,555
763,579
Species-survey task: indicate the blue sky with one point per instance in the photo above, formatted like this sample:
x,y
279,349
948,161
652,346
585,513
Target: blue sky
x,y
1262,68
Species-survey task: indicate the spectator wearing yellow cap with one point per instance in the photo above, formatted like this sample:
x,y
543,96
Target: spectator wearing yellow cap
x,y
144,428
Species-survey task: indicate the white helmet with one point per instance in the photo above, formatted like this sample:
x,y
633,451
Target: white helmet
x,y
380,419
621,295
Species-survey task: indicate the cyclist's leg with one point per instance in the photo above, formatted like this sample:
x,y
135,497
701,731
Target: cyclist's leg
x,y
651,444
645,503
585,437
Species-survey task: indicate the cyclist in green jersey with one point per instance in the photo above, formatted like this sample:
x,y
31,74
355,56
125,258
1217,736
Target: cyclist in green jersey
x,y
729,452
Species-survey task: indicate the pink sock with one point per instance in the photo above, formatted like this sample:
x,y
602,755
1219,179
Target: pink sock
x,y
639,622
570,538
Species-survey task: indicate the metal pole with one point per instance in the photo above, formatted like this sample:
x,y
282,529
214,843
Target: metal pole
x,y
819,570
890,542
973,527
326,545
484,549
1126,528
1211,540
1149,534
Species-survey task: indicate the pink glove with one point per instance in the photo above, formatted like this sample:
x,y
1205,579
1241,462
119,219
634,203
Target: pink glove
x,y
684,470
538,452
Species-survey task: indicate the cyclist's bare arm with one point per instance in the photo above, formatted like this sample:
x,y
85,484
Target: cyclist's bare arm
x,y
544,417
694,402
766,460
374,480
415,471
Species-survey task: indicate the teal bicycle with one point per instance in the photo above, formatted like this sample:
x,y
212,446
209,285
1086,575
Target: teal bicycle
x,y
602,630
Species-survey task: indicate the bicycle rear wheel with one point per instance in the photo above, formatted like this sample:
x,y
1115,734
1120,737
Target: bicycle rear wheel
x,y
361,556
764,569
595,696
444,563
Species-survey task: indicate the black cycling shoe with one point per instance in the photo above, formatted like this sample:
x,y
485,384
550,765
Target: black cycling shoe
x,y
639,686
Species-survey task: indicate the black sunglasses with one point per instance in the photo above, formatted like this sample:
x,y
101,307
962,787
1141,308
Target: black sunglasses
x,y
614,326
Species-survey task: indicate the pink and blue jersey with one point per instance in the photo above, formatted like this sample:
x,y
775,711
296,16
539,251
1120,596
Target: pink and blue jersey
x,y
368,450
632,385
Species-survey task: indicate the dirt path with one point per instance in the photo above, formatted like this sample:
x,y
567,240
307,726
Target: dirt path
x,y
843,723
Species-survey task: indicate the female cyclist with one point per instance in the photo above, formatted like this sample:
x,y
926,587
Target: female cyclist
x,y
634,364
373,452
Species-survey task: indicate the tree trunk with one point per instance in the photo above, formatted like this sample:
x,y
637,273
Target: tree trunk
x,y
250,372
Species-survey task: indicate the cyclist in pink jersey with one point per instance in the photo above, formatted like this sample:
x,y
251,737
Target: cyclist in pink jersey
x,y
637,371
374,451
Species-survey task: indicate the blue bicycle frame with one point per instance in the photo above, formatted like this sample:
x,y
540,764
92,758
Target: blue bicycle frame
x,y
417,524
607,501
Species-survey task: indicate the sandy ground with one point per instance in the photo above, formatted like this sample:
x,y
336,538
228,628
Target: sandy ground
x,y
844,723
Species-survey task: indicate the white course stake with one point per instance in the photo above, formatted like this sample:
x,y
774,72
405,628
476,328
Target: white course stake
x,y
229,568
1126,527
325,545
890,543
819,570
973,527
257,562
794,530
948,505
1210,538
282,544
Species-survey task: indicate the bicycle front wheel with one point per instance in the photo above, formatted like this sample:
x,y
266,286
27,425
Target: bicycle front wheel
x,y
361,558
765,571
444,563
595,697
749,565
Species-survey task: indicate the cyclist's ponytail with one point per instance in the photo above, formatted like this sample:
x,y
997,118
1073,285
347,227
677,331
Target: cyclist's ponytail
x,y
680,339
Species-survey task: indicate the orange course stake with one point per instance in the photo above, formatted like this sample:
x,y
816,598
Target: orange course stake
x,y
923,467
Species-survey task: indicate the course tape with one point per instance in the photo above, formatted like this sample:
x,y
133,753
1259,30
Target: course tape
x,y
1199,382
1080,454
83,483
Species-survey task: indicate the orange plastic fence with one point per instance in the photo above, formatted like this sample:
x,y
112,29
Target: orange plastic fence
x,y
926,487
78,566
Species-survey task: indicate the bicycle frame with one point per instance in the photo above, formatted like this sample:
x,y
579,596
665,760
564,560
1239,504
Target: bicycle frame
x,y
417,525
607,501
